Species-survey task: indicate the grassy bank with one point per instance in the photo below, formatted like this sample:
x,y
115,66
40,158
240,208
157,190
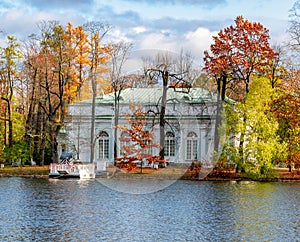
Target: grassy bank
x,y
35,171
280,174
276,175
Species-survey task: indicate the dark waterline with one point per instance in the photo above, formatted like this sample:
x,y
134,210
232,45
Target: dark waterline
x,y
74,210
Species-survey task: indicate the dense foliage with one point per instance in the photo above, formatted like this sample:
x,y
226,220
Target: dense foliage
x,y
262,127
39,78
64,64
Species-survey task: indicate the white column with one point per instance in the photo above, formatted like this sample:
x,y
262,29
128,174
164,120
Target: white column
x,y
203,144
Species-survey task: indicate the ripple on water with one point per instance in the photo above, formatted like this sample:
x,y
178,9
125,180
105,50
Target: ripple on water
x,y
73,210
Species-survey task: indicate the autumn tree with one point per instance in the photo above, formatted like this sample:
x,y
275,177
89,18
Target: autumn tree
x,y
9,76
78,87
80,47
172,72
286,106
117,80
51,67
12,108
35,127
237,53
138,139
61,65
277,70
98,57
57,75
77,50
286,109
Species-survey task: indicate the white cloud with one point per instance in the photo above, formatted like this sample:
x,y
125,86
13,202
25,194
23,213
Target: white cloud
x,y
17,22
116,35
139,29
195,42
23,22
158,41
155,28
199,40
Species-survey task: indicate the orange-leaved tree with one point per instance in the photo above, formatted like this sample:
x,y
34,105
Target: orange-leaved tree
x,y
237,53
286,109
78,48
138,142
57,65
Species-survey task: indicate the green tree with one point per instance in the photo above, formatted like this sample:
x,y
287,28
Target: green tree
x,y
262,146
238,53
9,77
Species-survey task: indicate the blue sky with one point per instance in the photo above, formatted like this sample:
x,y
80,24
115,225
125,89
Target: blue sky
x,y
149,24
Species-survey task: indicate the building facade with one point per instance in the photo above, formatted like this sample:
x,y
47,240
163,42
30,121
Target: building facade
x,y
189,128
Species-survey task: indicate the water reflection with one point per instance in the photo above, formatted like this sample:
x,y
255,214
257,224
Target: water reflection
x,y
74,210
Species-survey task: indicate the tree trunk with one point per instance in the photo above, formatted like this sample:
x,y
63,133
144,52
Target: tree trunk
x,y
42,150
10,125
93,120
54,145
243,132
8,120
5,137
221,88
78,137
30,117
117,106
218,121
42,139
162,116
38,125
241,144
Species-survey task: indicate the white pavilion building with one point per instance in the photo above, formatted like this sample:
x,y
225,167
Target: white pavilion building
x,y
189,130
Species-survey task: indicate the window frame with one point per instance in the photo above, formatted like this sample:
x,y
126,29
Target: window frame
x,y
103,145
170,144
192,146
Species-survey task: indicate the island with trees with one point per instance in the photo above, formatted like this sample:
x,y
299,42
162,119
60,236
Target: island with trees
x,y
252,131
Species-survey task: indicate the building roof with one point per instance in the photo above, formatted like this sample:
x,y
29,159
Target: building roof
x,y
152,96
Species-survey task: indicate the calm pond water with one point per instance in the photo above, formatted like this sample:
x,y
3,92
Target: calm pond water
x,y
74,210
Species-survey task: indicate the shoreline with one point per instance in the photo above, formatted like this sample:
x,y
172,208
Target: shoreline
x,y
24,175
280,175
216,179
